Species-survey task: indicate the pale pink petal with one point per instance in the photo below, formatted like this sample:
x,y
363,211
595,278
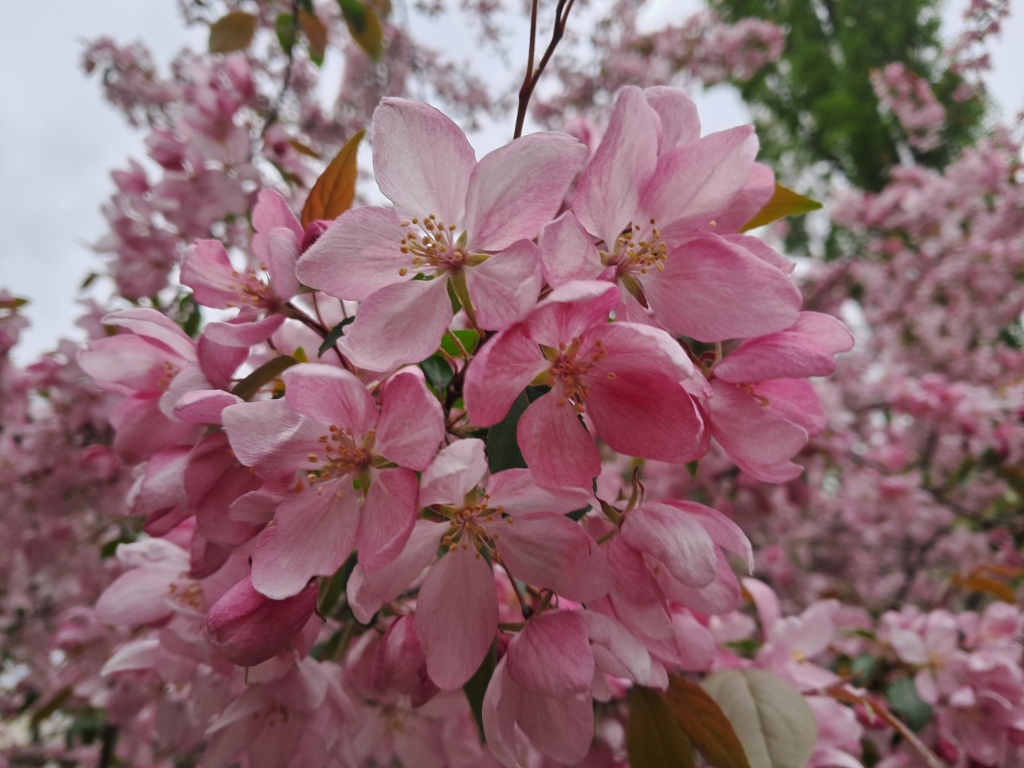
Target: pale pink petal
x,y
570,310
457,616
552,552
551,655
270,436
517,188
133,656
506,286
456,471
826,330
313,536
213,480
244,334
127,364
713,290
207,270
567,252
330,395
421,159
557,447
156,327
219,362
188,379
283,247
515,492
766,601
501,701
616,650
752,436
388,515
674,538
746,203
696,181
360,253
411,422
402,323
723,531
607,197
272,211
720,596
204,406
776,356
561,728
369,590
141,430
678,119
137,597
761,249
499,372
794,400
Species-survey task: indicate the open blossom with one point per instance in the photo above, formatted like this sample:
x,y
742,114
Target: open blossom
x,y
630,381
329,430
664,206
456,220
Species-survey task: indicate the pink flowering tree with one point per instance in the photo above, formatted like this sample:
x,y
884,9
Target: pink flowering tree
x,y
535,457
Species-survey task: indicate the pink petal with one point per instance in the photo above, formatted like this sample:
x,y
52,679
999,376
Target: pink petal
x,y
746,203
761,249
388,516
270,436
360,253
456,471
720,596
674,538
767,603
141,430
567,252
402,323
273,211
616,650
204,406
241,333
825,330
156,327
457,616
552,656
207,270
501,701
570,310
137,597
421,159
678,119
794,400
506,286
607,197
552,552
330,395
515,492
516,189
283,246
754,438
562,728
500,370
696,181
313,536
369,590
713,290
557,447
411,424
219,362
723,531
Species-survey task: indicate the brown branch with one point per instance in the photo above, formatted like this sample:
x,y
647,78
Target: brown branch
x,y
532,76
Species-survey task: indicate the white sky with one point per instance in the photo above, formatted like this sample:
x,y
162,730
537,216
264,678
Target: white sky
x,y
59,140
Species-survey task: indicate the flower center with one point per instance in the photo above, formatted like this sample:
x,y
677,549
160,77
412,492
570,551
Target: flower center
x,y
252,290
570,368
638,249
432,246
341,455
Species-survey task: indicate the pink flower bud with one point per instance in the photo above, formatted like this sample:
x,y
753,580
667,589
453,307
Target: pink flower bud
x,y
249,628
399,664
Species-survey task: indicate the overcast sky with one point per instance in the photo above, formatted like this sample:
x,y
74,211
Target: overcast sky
x,y
59,140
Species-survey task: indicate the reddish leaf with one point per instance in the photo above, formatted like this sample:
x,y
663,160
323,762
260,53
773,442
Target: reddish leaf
x,y
705,723
316,35
232,33
654,738
334,191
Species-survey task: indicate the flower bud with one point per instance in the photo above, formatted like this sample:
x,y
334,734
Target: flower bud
x,y
249,628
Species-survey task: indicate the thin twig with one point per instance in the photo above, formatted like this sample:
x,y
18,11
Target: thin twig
x,y
275,107
532,76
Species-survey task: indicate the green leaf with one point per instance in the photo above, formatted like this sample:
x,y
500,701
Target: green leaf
x,y
502,444
865,667
364,26
332,589
770,717
332,194
335,333
287,32
653,738
785,202
233,32
903,700
266,373
476,687
468,338
439,374
703,721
